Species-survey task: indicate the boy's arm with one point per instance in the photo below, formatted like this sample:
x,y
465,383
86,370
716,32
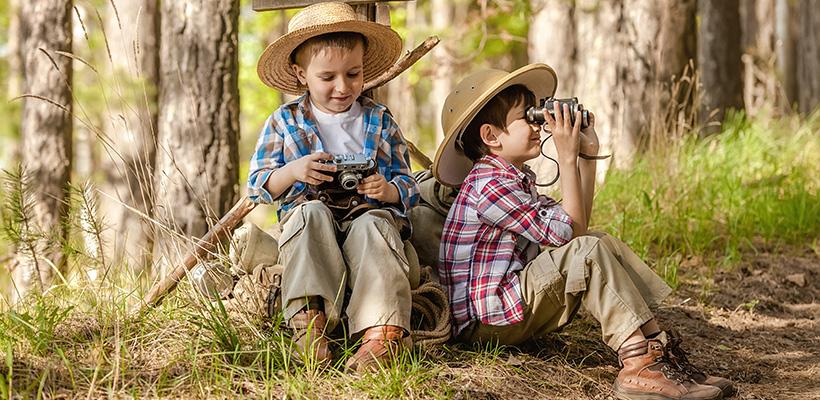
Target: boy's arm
x,y
587,168
266,161
402,177
567,143
503,202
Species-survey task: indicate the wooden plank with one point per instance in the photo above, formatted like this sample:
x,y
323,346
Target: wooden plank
x,y
267,5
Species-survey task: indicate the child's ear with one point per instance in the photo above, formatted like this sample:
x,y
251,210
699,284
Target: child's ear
x,y
489,135
300,73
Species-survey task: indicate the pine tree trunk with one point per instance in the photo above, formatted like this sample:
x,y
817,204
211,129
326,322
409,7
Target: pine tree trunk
x,y
132,28
719,64
196,173
441,16
46,140
808,61
552,40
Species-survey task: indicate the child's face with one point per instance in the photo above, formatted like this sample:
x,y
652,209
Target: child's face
x,y
520,141
334,76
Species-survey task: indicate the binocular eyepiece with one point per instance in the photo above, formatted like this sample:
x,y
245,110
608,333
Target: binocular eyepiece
x,y
535,115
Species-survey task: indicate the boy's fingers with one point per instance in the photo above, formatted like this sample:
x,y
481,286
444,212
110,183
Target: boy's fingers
x,y
320,176
317,166
577,127
559,117
321,156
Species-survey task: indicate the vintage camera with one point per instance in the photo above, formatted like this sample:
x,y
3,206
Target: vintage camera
x,y
350,170
535,115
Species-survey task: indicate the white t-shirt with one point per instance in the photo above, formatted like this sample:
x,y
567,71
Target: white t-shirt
x,y
341,133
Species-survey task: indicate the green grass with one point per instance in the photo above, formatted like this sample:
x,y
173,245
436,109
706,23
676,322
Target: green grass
x,y
754,185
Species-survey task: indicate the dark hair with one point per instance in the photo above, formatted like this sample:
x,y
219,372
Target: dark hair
x,y
312,46
493,113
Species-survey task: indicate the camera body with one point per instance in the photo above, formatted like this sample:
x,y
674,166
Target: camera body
x,y
535,115
350,170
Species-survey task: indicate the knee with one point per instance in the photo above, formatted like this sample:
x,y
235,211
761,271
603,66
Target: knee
x,y
370,221
316,212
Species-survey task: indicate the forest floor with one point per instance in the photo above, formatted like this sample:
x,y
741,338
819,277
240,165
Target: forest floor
x,y
756,324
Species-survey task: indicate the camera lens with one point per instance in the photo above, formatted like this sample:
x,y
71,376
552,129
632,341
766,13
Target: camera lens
x,y
348,180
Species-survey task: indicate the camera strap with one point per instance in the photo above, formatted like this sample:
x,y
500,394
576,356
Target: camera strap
x,y
557,168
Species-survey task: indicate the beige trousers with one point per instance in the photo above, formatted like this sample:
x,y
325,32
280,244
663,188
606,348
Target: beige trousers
x,y
366,255
596,270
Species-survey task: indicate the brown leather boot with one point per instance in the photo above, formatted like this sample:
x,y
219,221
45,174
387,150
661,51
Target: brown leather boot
x,y
648,374
678,357
380,346
309,336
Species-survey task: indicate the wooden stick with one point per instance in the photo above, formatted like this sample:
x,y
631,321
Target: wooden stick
x,y
225,226
201,250
403,63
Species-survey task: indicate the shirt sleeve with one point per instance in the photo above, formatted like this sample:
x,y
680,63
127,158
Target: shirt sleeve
x,y
503,202
266,159
401,175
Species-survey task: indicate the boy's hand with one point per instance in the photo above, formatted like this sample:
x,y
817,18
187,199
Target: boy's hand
x,y
309,170
566,136
589,138
376,187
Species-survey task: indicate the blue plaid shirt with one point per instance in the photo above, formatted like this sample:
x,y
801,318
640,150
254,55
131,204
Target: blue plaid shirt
x,y
291,132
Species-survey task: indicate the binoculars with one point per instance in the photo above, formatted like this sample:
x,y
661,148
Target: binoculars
x,y
535,115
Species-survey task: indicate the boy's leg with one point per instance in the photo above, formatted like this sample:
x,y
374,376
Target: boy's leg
x,y
380,303
314,265
379,270
649,284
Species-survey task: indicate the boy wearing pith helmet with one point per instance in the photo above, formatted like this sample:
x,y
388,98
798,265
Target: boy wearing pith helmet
x,y
326,57
503,287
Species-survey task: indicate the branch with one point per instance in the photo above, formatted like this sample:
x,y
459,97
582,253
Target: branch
x,y
404,62
205,245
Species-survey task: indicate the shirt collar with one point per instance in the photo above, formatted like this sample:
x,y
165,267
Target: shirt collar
x,y
499,162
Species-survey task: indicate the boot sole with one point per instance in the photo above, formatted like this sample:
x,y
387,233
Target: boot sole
x,y
625,394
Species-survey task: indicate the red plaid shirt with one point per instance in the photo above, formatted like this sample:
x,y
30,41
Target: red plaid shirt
x,y
494,228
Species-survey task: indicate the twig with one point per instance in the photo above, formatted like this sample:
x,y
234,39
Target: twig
x,y
404,62
205,245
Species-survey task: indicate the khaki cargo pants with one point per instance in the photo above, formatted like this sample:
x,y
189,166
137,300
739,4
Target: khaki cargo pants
x,y
596,270
366,255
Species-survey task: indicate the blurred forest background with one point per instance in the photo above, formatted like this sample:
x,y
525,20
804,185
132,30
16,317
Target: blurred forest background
x,y
126,127
133,121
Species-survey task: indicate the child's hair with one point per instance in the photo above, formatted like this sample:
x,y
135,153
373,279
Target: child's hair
x,y
312,46
495,114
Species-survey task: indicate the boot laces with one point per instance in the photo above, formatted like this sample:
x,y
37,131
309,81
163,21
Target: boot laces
x,y
680,360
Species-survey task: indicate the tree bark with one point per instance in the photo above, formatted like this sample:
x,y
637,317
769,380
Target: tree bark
x,y
443,71
552,40
46,140
719,62
197,158
808,61
132,27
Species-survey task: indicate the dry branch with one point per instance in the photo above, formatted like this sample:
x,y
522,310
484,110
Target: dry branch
x,y
223,228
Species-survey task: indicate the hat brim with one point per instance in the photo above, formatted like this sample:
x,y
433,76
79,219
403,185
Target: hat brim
x,y
383,49
451,166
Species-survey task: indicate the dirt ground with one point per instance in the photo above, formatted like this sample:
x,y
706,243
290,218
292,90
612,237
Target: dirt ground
x,y
756,325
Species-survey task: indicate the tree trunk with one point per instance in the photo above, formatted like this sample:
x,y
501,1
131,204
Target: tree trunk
x,y
719,61
553,22
46,135
197,159
132,28
441,16
401,95
808,61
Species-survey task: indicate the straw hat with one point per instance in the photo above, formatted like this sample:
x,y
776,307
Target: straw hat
x,y
383,44
451,166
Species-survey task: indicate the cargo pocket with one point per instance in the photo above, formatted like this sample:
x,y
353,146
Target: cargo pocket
x,y
292,227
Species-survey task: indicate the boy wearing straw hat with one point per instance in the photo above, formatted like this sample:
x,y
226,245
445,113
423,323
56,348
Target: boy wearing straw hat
x,y
502,285
326,57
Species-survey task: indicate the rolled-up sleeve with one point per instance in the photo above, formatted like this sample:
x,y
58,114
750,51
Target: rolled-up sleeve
x,y
502,201
266,159
400,173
